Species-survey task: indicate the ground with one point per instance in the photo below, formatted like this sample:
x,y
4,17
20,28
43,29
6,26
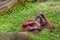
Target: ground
x,y
12,20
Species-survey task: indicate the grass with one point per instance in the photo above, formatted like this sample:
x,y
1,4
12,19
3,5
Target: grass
x,y
12,20
54,0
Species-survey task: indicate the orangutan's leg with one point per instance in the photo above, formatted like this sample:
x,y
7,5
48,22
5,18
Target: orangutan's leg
x,y
36,32
26,29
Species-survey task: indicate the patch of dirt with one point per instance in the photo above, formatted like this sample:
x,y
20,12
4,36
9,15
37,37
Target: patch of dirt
x,y
14,36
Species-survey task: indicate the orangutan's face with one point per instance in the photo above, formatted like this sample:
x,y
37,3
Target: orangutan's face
x,y
39,15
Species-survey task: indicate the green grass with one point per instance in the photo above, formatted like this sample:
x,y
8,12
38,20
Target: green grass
x,y
50,9
54,0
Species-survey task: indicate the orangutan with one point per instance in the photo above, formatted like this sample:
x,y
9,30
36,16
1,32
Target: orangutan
x,y
36,24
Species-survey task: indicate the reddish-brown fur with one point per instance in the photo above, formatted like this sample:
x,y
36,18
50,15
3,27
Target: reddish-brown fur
x,y
29,26
34,26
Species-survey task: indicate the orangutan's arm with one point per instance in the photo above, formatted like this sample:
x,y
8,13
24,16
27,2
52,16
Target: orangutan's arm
x,y
48,24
